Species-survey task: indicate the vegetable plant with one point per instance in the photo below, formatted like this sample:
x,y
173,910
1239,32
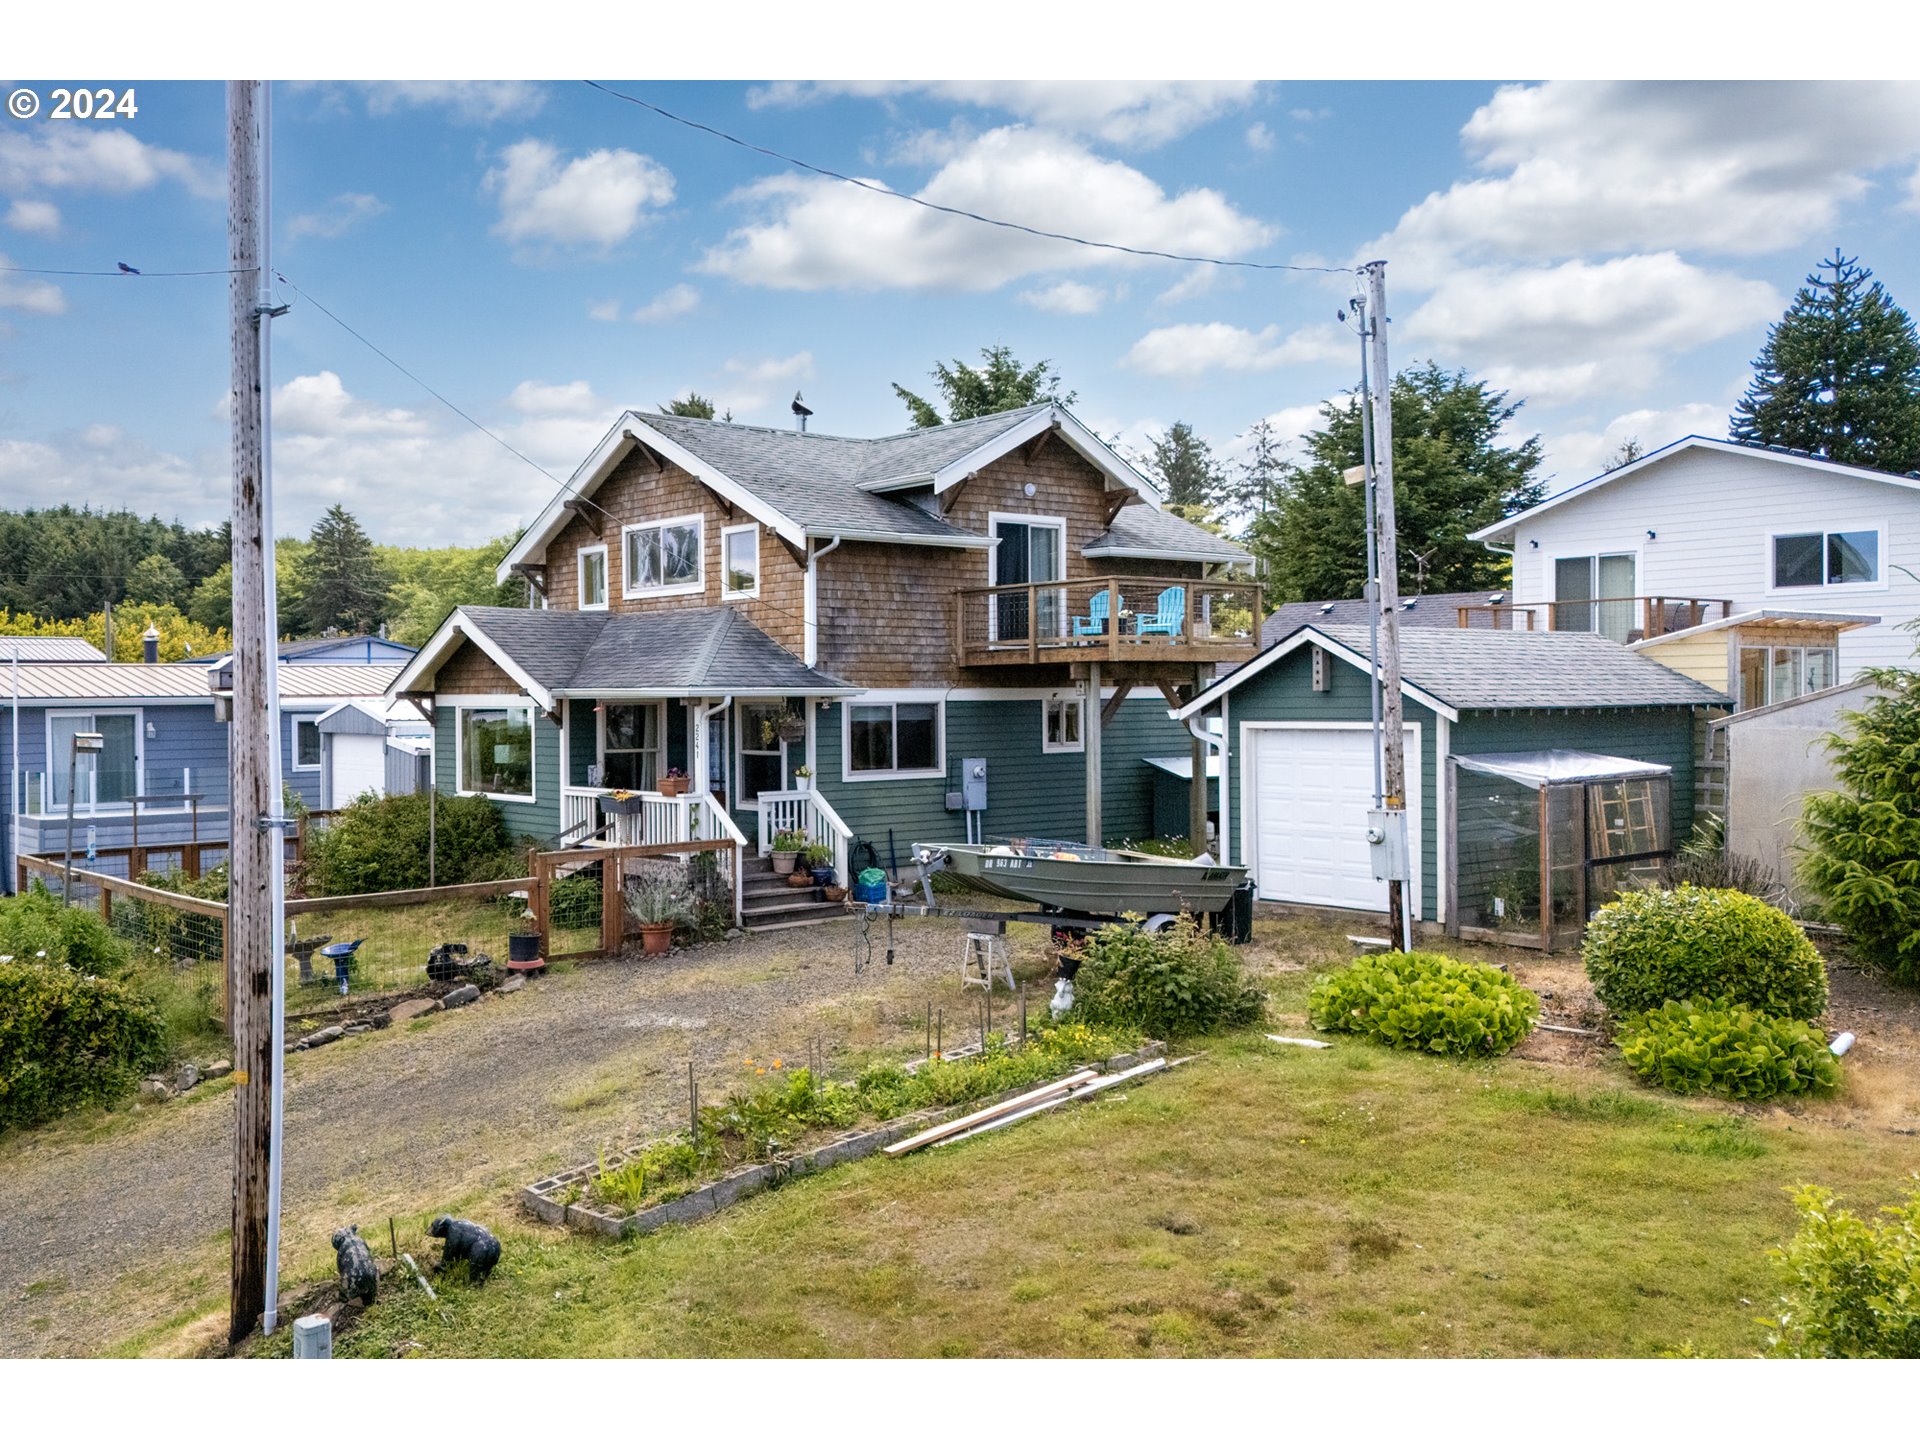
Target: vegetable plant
x,y
1419,1001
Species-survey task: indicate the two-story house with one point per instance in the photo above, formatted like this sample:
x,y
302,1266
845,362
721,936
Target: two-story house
x,y
739,606
1764,573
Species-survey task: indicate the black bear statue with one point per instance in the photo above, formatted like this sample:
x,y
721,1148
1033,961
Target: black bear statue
x,y
358,1277
467,1241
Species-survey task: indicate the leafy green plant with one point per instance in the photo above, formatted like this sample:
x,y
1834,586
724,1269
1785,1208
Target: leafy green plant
x,y
1705,861
1863,841
68,1040
1652,946
816,854
573,902
381,844
1419,1001
36,927
1850,1286
1171,982
792,840
1722,1048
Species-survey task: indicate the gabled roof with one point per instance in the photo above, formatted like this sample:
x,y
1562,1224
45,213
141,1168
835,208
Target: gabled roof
x,y
1454,670
803,484
1427,611
1502,530
553,654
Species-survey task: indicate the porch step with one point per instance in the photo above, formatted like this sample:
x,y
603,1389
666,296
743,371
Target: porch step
x,y
764,916
828,912
753,888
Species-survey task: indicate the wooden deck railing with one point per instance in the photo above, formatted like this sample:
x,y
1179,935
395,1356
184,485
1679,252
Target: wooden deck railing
x,y
1119,618
1625,618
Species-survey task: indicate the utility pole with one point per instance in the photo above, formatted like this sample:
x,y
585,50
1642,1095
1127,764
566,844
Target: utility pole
x,y
251,944
1392,722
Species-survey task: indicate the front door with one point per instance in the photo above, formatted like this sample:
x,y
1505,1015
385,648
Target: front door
x,y
1027,552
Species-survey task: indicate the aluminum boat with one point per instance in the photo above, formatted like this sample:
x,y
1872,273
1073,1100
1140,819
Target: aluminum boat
x,y
1087,879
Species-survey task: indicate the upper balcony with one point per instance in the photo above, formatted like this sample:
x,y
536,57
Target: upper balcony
x,y
1625,618
1116,619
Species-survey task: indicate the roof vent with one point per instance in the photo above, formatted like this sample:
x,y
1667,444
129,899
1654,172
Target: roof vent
x,y
800,412
1499,597
1327,609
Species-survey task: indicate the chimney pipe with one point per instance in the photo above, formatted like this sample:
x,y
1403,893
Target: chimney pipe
x,y
150,645
800,411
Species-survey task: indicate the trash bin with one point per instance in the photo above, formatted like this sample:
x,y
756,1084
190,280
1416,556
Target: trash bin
x,y
1235,921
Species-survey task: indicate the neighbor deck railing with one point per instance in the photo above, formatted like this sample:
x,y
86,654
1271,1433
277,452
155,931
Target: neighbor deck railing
x,y
1126,617
1625,618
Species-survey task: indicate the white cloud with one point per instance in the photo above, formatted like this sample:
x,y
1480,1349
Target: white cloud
x,y
1124,112
1068,297
753,383
1199,280
1569,331
1579,455
575,397
479,101
822,234
1259,137
1912,201
669,304
597,199
1188,352
29,293
1306,115
336,217
1583,168
604,310
34,217
112,161
73,469
319,404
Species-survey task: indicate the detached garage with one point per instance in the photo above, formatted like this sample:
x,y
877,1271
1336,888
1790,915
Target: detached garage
x,y
1298,767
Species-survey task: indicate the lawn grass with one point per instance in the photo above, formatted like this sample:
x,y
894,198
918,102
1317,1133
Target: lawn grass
x,y
1261,1201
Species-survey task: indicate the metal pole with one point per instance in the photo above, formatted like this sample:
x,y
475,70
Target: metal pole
x,y
1393,734
66,879
14,797
1373,555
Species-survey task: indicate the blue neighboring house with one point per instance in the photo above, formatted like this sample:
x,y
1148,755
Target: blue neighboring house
x,y
164,743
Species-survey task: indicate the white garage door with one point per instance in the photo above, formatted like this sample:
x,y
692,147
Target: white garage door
x,y
359,765
1311,791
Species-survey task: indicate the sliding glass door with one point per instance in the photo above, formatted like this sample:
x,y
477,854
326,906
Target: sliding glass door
x,y
1595,592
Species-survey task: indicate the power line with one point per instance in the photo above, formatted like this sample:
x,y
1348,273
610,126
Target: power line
x,y
955,210
125,274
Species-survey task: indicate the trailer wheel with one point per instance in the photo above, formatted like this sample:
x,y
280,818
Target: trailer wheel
x,y
1156,923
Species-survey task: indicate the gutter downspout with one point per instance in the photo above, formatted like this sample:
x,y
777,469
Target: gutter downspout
x,y
1208,742
810,605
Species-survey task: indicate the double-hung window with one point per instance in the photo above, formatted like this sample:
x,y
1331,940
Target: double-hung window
x,y
306,744
1061,724
740,562
496,751
630,747
662,557
1826,557
894,740
593,577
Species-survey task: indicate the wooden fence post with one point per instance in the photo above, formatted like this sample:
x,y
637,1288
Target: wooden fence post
x,y
612,904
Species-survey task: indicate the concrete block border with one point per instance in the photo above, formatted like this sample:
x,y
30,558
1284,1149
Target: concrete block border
x,y
541,1198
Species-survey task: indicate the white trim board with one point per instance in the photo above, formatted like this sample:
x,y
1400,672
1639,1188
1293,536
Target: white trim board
x,y
1305,635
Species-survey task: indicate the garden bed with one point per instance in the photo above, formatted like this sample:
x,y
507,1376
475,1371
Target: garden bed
x,y
568,1198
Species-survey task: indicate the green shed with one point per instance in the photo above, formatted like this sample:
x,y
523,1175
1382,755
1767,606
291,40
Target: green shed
x,y
1295,725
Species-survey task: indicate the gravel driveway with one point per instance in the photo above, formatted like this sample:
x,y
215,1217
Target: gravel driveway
x,y
114,1231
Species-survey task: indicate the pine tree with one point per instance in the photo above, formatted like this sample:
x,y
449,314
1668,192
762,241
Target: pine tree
x,y
1839,375
1183,463
694,406
1001,383
343,585
1255,485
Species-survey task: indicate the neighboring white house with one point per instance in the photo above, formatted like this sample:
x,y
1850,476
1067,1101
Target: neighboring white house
x,y
1760,529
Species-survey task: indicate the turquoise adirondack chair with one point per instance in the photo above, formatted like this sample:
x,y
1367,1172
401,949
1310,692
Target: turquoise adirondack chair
x,y
1095,622
1168,616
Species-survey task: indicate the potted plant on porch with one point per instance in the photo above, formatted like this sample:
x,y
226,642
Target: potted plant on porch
x,y
803,777
787,846
675,782
622,802
657,904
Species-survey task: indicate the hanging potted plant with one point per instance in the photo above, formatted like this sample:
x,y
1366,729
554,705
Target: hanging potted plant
x,y
787,846
657,904
803,777
793,728
622,802
675,782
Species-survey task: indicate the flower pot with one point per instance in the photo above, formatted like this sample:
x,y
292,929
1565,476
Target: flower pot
x,y
803,782
793,731
675,784
799,880
656,939
833,894
784,861
621,804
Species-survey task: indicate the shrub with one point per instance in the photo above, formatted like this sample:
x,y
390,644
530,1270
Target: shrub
x,y
35,927
1705,861
69,1039
1851,1287
1657,945
1863,841
1716,1046
381,844
1172,982
1419,1001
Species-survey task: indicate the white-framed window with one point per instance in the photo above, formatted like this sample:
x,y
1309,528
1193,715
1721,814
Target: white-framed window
x,y
493,751
662,557
593,577
1811,558
1772,673
1596,592
893,739
739,562
630,739
110,776
306,743
1061,717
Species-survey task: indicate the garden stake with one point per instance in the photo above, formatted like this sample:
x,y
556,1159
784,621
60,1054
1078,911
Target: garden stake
x,y
938,1020
693,1106
929,1029
1023,1014
393,1237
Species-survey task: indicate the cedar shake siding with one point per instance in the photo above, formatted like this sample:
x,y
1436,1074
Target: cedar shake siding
x,y
638,492
471,671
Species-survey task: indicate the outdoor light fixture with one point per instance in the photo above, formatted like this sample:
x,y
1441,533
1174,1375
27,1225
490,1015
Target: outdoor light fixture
x,y
1029,490
1652,536
152,733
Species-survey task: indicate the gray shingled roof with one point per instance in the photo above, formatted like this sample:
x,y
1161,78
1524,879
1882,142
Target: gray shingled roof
x,y
1426,611
707,651
1141,527
1531,669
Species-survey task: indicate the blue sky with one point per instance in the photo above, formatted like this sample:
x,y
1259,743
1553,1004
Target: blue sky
x,y
545,255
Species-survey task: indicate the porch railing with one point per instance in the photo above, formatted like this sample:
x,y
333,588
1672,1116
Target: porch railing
x,y
1127,617
44,792
659,820
808,813
1625,618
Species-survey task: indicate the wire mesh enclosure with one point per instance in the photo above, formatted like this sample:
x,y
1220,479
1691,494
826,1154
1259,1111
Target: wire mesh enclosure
x,y
1543,839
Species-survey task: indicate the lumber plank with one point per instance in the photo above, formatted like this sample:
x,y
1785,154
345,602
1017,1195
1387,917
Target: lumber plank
x,y
967,1122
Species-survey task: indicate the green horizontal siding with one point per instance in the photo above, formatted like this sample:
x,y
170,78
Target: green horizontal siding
x,y
536,823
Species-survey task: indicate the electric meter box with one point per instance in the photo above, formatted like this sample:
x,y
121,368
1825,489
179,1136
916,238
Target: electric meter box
x,y
973,784
1387,843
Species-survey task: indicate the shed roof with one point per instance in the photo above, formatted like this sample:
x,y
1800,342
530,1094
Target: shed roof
x,y
1537,769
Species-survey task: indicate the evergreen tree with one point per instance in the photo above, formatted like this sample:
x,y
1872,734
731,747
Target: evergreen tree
x,y
1839,375
342,584
1451,477
156,580
1183,463
1001,383
694,406
1255,485
1628,451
